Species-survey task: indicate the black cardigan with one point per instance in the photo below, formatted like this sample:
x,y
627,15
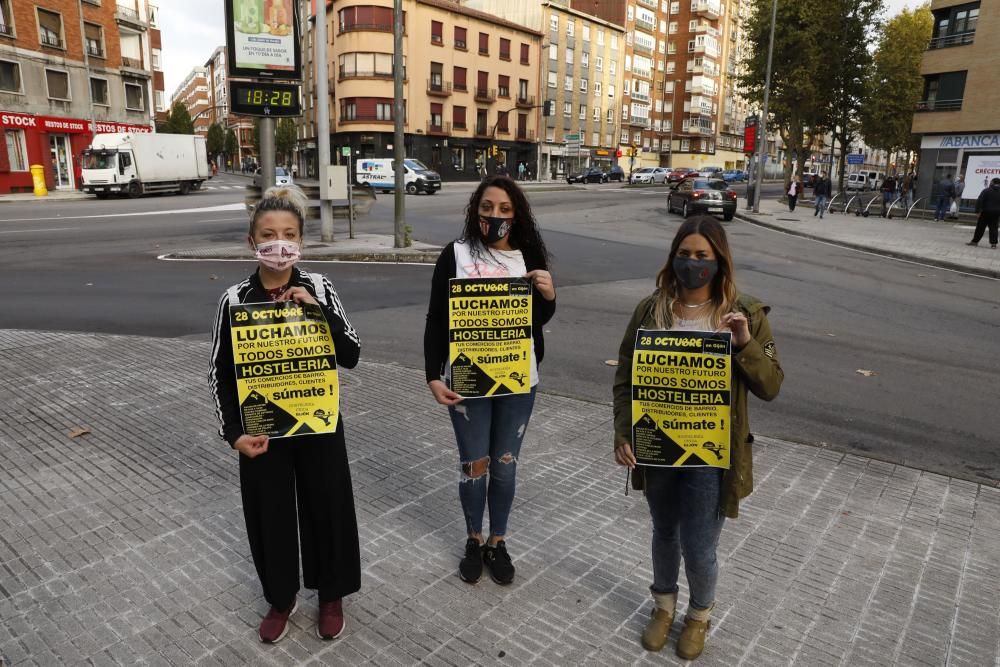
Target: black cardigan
x,y
436,330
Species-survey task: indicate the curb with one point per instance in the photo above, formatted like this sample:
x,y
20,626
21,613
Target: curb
x,y
426,255
953,266
6,199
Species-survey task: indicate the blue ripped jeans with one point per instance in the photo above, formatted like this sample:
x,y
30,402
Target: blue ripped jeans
x,y
489,432
684,506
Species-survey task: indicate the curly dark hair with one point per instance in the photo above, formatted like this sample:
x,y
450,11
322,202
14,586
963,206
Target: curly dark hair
x,y
524,235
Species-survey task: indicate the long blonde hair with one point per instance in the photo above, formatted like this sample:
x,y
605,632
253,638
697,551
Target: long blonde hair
x,y
723,285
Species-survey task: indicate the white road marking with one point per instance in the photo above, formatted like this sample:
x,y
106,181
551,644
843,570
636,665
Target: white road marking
x,y
166,258
32,231
206,209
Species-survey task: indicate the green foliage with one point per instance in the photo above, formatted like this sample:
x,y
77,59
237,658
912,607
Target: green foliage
x,y
179,120
894,84
232,145
256,136
216,139
284,140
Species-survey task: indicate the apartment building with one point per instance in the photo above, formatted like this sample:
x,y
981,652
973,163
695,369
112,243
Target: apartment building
x,y
193,94
956,117
581,75
471,82
217,81
63,64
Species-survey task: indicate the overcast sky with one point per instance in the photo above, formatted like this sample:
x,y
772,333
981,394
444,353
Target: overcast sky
x,y
191,30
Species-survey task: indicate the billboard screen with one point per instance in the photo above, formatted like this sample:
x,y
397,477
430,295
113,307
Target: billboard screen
x,y
262,39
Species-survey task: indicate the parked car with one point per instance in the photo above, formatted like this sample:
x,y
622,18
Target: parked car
x,y
702,195
809,178
710,172
281,177
734,175
679,174
616,173
588,175
650,175
857,183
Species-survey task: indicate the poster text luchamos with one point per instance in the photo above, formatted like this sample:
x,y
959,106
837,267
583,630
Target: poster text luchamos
x,y
286,369
681,398
489,334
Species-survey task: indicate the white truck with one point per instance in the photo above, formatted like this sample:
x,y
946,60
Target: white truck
x,y
380,174
139,163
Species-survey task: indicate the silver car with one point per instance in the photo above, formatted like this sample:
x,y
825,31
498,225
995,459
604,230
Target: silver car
x,y
281,177
651,175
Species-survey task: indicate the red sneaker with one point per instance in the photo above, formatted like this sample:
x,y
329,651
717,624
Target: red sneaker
x,y
331,620
274,627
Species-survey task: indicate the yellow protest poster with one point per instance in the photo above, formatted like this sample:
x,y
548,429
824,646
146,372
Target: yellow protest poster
x,y
286,369
489,334
681,398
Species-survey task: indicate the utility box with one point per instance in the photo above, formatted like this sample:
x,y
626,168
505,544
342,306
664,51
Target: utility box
x,y
333,182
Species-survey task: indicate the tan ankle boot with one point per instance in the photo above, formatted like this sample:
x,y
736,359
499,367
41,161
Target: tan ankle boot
x,y
654,637
692,640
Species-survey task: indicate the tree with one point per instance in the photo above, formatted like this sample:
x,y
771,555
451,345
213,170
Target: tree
x,y
216,140
285,139
232,146
894,85
256,136
179,120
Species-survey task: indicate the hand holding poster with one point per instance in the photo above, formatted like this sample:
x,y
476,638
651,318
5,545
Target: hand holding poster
x,y
681,398
286,369
489,334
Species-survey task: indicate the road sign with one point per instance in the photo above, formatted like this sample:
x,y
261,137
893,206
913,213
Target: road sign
x,y
345,151
854,158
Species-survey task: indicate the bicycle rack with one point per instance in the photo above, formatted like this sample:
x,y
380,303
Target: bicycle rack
x,y
912,206
847,209
870,202
888,214
833,199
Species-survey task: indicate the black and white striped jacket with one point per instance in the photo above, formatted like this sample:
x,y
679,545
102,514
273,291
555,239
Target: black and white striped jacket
x,y
222,374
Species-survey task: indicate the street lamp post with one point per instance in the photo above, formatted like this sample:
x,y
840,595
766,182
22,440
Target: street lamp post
x,y
762,136
673,106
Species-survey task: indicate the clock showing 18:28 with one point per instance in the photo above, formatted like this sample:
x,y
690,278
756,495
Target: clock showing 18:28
x,y
251,98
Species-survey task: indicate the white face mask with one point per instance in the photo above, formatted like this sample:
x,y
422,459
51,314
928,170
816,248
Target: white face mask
x,y
278,255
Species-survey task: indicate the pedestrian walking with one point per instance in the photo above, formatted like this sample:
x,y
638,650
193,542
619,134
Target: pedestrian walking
x,y
888,193
822,191
956,204
988,208
946,190
297,487
794,190
906,191
500,238
695,291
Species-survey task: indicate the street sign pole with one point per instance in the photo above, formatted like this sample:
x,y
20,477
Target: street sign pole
x,y
323,120
762,131
266,154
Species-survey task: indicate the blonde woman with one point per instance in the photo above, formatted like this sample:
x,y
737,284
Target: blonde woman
x,y
695,291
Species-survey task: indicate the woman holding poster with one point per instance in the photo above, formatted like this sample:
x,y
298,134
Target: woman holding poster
x,y
491,294
695,292
294,476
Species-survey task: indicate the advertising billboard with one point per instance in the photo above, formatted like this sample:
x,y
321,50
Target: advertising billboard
x,y
262,39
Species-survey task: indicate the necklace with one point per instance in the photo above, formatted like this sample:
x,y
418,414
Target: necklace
x,y
695,305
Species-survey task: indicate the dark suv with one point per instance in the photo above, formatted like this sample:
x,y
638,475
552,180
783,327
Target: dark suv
x,y
588,175
616,173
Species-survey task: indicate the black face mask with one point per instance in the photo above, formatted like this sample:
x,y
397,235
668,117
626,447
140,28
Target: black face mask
x,y
496,228
695,273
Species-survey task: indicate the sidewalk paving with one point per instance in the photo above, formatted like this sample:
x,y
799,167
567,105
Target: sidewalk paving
x,y
940,244
127,544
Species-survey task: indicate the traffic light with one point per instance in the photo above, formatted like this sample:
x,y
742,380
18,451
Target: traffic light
x,y
547,108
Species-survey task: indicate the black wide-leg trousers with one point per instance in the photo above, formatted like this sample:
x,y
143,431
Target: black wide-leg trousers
x,y
301,489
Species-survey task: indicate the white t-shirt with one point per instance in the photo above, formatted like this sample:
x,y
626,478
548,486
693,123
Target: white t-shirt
x,y
491,264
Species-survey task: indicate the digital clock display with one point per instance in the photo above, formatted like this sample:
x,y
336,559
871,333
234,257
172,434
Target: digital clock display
x,y
264,99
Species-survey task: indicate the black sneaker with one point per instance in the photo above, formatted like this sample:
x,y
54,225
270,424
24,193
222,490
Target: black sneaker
x,y
498,563
470,569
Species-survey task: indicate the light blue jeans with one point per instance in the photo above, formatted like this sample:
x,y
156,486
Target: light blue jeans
x,y
684,506
489,432
821,202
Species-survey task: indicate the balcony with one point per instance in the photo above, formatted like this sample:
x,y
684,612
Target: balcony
x,y
482,130
525,101
135,66
343,74
648,3
939,105
130,17
366,118
705,29
526,135
438,88
640,97
642,48
438,128
49,39
367,27
486,94
958,39
636,121
710,9
95,51
645,25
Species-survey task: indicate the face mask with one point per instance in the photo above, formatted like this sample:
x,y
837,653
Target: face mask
x,y
278,255
494,229
695,273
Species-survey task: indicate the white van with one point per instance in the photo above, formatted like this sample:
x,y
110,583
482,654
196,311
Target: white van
x,y
857,182
380,174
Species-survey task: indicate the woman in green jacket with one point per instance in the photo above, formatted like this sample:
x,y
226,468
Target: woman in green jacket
x,y
695,291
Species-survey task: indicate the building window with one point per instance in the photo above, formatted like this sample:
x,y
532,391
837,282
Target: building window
x,y
624,136
383,110
94,40
586,33
99,91
10,77
600,37
367,18
554,22
481,121
568,82
50,29
460,82
367,65
553,52
503,85
552,80
611,114
570,27
613,67
597,114
437,122
437,77
17,150
504,49
460,34
484,44
597,89
567,109
161,104
614,42
599,63
611,90
550,134
58,84
458,155
583,85
585,60
583,112
436,32
135,97
348,110
525,54
569,56
595,138
6,19
502,126
458,117
943,92
154,58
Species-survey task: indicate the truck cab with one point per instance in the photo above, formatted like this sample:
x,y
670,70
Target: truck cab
x,y
108,171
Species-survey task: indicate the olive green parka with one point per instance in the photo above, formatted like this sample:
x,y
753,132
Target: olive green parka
x,y
756,368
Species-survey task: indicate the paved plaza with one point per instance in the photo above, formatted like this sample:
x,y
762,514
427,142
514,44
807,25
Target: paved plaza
x,y
126,544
